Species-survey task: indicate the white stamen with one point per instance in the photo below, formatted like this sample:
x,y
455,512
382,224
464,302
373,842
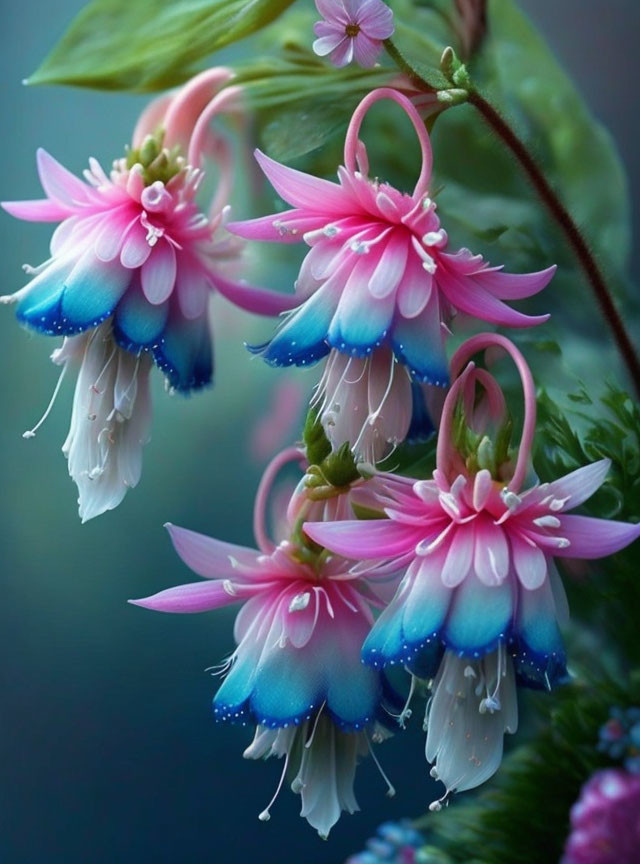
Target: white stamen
x,y
266,815
547,522
300,602
31,433
431,238
390,788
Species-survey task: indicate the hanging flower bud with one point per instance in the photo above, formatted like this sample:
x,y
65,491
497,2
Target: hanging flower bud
x,y
133,262
296,671
378,280
480,600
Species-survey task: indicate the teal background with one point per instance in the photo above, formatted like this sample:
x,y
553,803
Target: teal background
x,y
108,752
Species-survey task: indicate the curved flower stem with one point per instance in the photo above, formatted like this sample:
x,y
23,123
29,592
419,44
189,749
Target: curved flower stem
x,y
553,204
291,454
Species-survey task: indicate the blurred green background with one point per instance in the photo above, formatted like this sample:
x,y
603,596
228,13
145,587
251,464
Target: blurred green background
x,y
108,749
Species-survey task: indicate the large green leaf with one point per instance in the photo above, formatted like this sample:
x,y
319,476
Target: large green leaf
x,y
149,44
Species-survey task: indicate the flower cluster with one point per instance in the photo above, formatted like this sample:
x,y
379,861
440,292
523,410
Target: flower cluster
x,y
133,263
451,574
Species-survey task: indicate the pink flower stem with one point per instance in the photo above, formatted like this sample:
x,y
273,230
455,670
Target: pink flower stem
x,y
446,454
264,542
351,144
490,340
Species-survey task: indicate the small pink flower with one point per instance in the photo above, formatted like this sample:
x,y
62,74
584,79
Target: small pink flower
x,y
352,29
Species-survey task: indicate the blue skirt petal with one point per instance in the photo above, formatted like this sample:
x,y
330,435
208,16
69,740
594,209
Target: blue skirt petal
x,y
288,688
40,307
185,354
361,321
538,647
480,617
419,344
138,324
421,428
91,292
301,341
409,629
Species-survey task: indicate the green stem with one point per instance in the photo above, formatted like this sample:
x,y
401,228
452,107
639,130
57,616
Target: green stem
x,y
554,205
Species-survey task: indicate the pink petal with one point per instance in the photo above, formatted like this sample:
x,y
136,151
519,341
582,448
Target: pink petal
x,y
326,44
375,19
260,301
287,227
580,485
158,274
459,557
491,558
332,10
151,119
194,597
37,211
361,539
482,486
415,289
58,183
594,538
302,190
135,249
467,295
391,266
343,54
514,286
366,50
192,287
529,561
329,28
207,557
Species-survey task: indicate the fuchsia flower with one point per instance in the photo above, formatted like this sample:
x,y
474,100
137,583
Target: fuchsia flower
x,y
133,263
479,582
605,821
352,29
296,671
378,281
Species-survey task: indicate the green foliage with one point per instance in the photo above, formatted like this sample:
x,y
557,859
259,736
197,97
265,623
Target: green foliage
x,y
486,201
574,433
149,44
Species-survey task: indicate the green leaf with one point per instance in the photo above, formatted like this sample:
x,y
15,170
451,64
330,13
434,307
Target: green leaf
x,y
149,44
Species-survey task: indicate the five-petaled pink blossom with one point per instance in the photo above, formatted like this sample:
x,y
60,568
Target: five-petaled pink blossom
x,y
352,29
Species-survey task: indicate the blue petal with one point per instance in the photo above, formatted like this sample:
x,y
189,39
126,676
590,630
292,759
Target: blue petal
x,y
421,428
67,302
137,323
185,352
408,631
419,344
480,617
301,340
538,647
354,690
92,290
40,307
230,702
361,321
288,687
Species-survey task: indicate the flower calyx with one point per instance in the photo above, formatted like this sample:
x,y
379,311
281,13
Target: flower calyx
x,y
158,163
